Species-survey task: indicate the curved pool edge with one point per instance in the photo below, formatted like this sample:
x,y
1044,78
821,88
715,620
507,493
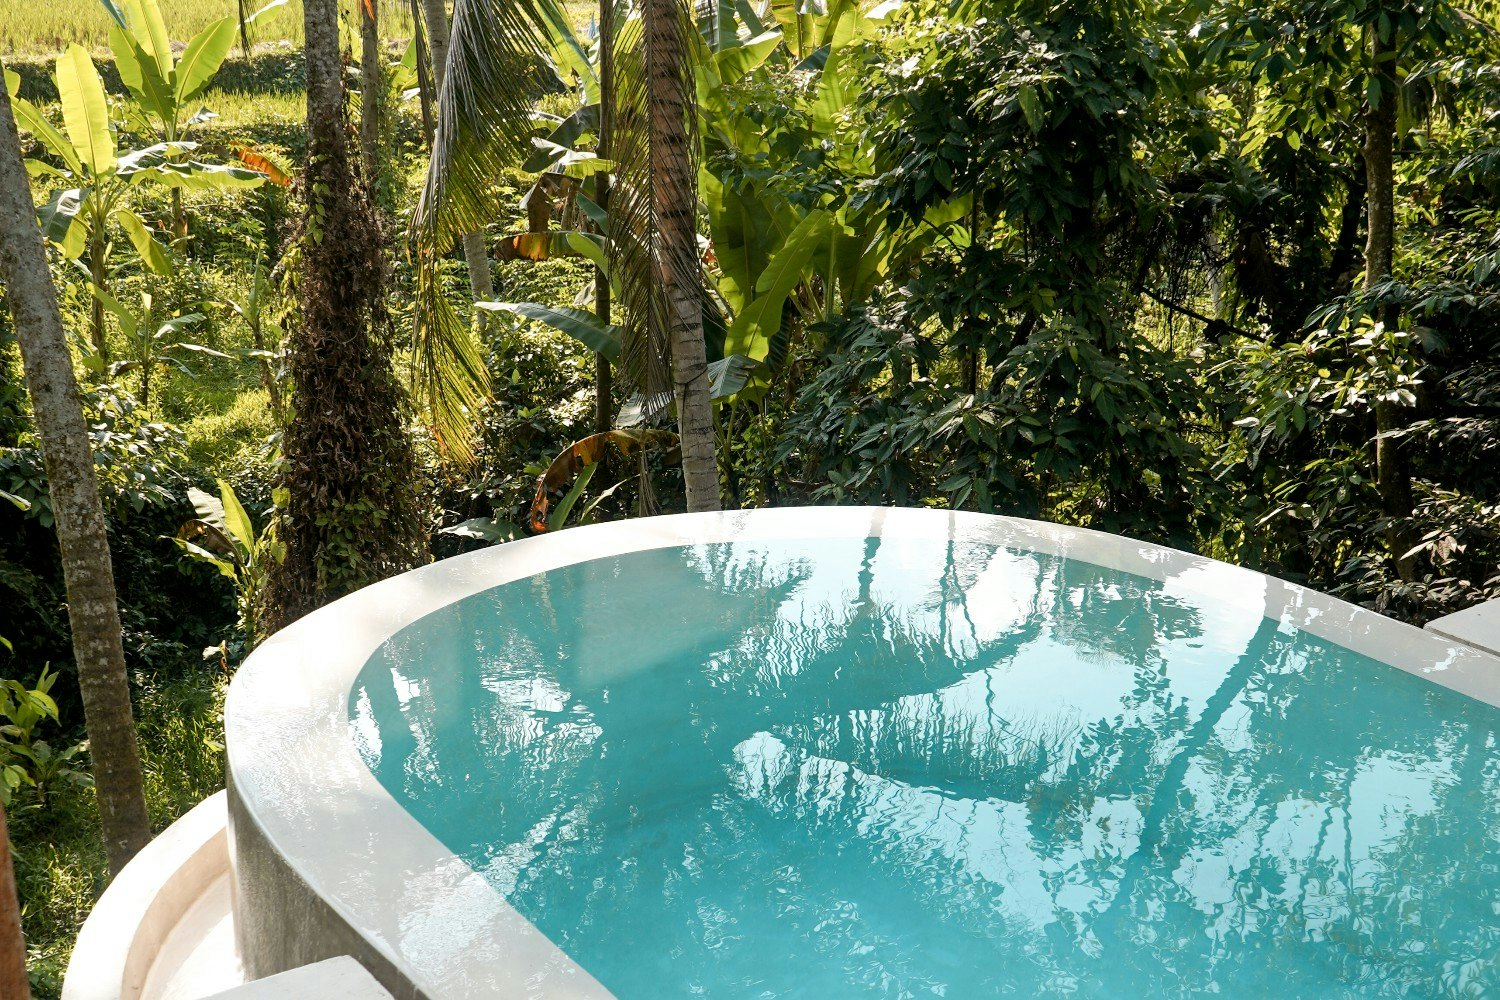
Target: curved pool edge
x,y
426,924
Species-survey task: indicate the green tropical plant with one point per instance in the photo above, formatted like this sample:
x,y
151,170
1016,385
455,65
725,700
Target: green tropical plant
x,y
164,87
27,761
224,536
150,345
77,219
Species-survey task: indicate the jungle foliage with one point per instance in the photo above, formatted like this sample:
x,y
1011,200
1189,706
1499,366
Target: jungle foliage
x,y
1101,262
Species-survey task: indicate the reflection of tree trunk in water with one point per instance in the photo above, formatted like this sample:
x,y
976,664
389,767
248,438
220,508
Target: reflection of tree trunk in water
x,y
1110,923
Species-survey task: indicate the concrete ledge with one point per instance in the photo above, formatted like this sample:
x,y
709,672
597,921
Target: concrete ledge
x,y
1478,626
336,979
161,931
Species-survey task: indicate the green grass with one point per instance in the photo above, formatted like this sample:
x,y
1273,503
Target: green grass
x,y
47,26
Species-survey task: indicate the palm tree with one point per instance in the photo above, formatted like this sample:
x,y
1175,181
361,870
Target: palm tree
x,y
88,575
673,171
484,127
351,516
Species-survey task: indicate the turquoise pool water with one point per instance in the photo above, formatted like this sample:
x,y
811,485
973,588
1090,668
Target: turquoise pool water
x,y
897,768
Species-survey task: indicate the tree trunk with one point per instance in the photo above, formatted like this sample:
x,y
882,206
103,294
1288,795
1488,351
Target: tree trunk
x,y
674,200
13,982
604,407
425,95
435,14
352,515
1392,480
371,90
87,573
96,275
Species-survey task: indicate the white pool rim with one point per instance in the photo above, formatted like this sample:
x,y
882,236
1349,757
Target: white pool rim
x,y
293,763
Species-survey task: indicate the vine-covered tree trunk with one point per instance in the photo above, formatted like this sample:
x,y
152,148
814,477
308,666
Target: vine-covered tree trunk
x,y
352,515
371,89
1392,480
674,197
435,14
13,981
93,614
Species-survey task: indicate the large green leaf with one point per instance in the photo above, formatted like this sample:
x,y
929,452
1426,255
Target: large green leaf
x,y
12,83
57,144
751,332
129,323
236,519
141,77
736,63
115,13
153,254
582,326
269,12
58,214
559,515
568,54
85,110
196,176
202,59
150,29
728,376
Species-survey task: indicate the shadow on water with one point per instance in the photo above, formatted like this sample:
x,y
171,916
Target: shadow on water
x,y
899,769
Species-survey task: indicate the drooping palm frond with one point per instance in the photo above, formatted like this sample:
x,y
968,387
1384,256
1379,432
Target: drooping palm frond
x,y
495,68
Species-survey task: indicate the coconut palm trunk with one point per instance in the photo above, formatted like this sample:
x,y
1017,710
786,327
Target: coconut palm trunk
x,y
93,614
352,516
674,201
435,14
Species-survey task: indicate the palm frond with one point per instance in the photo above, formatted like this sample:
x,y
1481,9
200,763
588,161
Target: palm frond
x,y
448,370
495,68
497,65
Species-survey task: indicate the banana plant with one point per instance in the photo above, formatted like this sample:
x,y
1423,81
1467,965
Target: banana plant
x,y
151,345
223,536
101,180
164,87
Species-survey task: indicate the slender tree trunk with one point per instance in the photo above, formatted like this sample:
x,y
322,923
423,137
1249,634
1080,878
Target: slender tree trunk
x,y
435,13
604,409
87,573
674,198
1392,479
13,982
425,95
96,274
371,89
352,515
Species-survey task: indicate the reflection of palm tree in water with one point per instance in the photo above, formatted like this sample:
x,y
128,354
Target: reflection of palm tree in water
x,y
618,716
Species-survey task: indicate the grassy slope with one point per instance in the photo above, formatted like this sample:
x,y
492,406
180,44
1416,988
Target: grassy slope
x,y
47,26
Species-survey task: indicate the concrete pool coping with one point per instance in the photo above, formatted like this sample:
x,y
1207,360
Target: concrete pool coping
x,y
328,863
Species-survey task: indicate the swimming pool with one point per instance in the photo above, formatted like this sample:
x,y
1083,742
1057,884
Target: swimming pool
x,y
850,752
